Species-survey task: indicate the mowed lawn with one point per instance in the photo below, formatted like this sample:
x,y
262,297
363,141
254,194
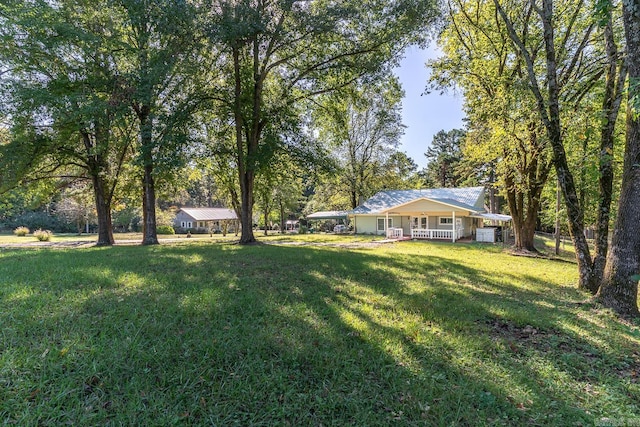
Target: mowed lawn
x,y
203,333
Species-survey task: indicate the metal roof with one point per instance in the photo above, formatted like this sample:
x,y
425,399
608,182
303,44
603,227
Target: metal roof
x,y
210,214
468,198
328,215
492,216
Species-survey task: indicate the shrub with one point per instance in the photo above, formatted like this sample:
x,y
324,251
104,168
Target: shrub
x,y
302,230
21,231
165,229
42,235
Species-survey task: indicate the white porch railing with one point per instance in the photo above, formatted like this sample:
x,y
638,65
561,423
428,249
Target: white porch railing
x,y
394,233
422,233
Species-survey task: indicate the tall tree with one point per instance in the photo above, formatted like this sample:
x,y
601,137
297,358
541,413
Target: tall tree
x,y
161,40
280,52
362,125
503,131
62,65
619,288
443,156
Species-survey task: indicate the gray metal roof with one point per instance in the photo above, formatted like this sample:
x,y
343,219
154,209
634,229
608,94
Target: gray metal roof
x,y
210,214
328,215
468,198
493,216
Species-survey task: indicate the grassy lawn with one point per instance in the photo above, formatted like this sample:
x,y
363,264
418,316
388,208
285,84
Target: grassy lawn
x,y
9,238
204,333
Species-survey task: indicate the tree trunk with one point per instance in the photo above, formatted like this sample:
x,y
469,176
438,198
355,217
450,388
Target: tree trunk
x,y
614,84
103,210
97,166
266,213
283,222
246,214
150,236
619,288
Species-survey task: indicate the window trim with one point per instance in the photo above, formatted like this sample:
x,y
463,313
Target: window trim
x,y
449,220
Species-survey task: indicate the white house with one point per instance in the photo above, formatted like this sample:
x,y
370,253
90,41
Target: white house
x,y
438,213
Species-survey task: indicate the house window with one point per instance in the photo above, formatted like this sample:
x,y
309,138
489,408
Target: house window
x,y
446,220
186,224
380,222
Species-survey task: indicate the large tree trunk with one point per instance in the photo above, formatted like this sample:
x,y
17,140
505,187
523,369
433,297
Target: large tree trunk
x,y
97,167
103,210
525,205
150,236
619,288
246,213
614,85
524,219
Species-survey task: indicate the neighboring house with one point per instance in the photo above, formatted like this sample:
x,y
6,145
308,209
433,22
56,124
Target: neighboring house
x,y
438,213
204,220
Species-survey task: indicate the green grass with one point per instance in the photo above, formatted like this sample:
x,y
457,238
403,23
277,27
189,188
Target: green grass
x,y
204,333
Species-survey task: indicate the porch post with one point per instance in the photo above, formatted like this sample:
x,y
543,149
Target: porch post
x,y
386,224
453,227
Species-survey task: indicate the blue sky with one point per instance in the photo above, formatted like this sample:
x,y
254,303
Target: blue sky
x,y
424,115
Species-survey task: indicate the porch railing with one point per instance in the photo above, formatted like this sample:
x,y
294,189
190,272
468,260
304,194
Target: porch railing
x,y
394,233
422,233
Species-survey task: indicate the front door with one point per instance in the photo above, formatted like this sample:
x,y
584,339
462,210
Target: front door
x,y
420,222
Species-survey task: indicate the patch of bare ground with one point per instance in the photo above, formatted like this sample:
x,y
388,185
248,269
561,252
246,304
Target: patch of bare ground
x,y
523,340
535,254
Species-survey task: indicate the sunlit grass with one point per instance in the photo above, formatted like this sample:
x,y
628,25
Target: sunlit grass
x,y
307,330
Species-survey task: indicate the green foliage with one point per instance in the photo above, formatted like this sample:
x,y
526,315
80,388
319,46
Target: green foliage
x,y
165,217
21,231
165,229
303,229
362,126
41,219
444,157
42,235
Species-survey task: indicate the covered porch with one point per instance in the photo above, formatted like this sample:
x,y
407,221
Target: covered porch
x,y
428,226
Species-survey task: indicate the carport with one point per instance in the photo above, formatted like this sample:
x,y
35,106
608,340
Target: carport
x,y
340,217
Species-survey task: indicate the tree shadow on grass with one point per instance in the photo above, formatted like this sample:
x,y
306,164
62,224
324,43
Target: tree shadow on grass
x,y
271,335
